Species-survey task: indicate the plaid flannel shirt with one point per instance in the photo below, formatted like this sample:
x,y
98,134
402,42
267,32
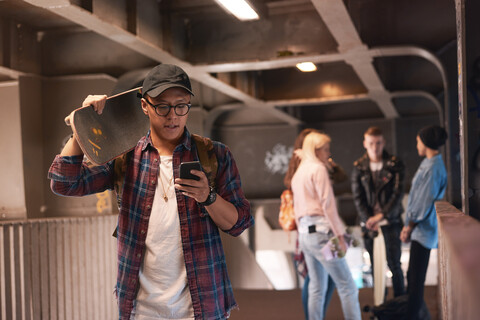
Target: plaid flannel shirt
x,y
207,277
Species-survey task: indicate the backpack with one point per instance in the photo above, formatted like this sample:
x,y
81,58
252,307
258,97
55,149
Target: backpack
x,y
206,155
395,309
286,215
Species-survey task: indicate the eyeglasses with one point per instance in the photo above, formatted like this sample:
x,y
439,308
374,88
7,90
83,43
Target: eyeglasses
x,y
163,110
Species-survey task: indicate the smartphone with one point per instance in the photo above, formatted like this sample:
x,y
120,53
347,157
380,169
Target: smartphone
x,y
185,168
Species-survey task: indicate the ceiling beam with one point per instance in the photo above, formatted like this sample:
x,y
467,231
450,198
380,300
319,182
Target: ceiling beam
x,y
426,95
359,97
13,74
320,101
324,58
271,64
360,58
425,54
370,54
92,22
351,50
338,21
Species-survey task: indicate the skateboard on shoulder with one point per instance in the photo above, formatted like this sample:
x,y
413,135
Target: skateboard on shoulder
x,y
103,137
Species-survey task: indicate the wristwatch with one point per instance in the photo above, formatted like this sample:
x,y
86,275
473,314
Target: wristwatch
x,y
212,196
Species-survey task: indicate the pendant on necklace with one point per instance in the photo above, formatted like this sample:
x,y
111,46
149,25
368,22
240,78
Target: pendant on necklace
x,y
165,198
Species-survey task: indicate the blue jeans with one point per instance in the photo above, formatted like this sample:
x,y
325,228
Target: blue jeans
x,y
318,271
329,293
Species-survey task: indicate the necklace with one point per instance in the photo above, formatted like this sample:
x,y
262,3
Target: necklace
x,y
165,197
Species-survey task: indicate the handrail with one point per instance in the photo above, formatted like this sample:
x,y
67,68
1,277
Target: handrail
x,y
459,263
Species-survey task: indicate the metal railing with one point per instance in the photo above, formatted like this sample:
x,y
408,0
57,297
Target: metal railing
x,y
59,268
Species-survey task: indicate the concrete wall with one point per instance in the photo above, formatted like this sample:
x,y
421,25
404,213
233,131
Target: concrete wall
x,y
255,146
30,95
261,150
33,131
60,96
12,194
262,153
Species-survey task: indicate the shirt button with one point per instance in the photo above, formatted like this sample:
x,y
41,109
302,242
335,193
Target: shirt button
x,y
142,231
139,255
155,160
153,182
148,206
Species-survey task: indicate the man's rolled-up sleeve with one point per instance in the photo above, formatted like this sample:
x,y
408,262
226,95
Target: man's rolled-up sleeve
x,y
229,187
72,176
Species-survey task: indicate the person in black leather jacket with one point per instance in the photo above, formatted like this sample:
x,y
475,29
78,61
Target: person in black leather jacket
x,y
377,187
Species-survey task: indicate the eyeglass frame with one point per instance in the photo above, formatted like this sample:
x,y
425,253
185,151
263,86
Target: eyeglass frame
x,y
189,105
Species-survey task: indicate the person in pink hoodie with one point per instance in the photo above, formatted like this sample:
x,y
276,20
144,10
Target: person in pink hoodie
x,y
317,222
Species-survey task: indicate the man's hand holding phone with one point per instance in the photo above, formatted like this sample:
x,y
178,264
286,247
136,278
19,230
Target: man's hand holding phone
x,y
193,182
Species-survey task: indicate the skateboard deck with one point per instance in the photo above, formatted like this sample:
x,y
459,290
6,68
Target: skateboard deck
x,y
103,137
379,268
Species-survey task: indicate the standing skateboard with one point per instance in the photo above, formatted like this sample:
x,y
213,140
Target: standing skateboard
x,y
103,137
379,267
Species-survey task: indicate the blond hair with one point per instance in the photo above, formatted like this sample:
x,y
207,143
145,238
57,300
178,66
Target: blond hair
x,y
295,159
314,140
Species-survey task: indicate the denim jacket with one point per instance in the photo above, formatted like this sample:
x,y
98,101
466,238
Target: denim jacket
x,y
428,186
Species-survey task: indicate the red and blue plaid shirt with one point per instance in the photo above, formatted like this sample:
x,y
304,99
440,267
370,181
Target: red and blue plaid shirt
x,y
207,277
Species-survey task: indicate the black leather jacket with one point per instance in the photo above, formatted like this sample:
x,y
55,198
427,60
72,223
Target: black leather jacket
x,y
389,191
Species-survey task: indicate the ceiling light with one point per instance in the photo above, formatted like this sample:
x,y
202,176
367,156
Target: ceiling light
x,y
239,8
306,66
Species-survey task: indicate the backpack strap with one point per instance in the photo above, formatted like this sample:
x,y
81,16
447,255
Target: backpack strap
x,y
207,157
119,171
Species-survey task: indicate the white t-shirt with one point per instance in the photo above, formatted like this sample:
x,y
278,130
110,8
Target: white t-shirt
x,y
375,167
164,292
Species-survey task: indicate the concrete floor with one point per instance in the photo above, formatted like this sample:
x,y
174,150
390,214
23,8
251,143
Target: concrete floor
x,y
287,305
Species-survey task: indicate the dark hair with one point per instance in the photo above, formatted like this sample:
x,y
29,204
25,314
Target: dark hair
x,y
373,131
294,160
433,137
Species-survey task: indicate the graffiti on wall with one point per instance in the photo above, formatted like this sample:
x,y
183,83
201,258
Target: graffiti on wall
x,y
277,159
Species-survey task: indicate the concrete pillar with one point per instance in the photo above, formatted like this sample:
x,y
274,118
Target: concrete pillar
x,y
468,49
12,188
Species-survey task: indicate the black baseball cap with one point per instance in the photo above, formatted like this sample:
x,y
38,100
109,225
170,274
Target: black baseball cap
x,y
163,77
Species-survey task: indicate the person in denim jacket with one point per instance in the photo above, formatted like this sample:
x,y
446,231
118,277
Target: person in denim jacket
x,y
428,186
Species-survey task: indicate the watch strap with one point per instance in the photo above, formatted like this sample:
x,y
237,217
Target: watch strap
x,y
212,196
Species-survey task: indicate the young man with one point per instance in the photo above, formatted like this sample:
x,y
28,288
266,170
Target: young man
x,y
171,264
377,187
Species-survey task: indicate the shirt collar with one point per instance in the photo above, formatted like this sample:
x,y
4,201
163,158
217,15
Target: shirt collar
x,y
186,140
434,158
364,160
147,140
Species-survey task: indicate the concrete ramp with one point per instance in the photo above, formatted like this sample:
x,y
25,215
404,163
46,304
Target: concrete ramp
x,y
243,269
